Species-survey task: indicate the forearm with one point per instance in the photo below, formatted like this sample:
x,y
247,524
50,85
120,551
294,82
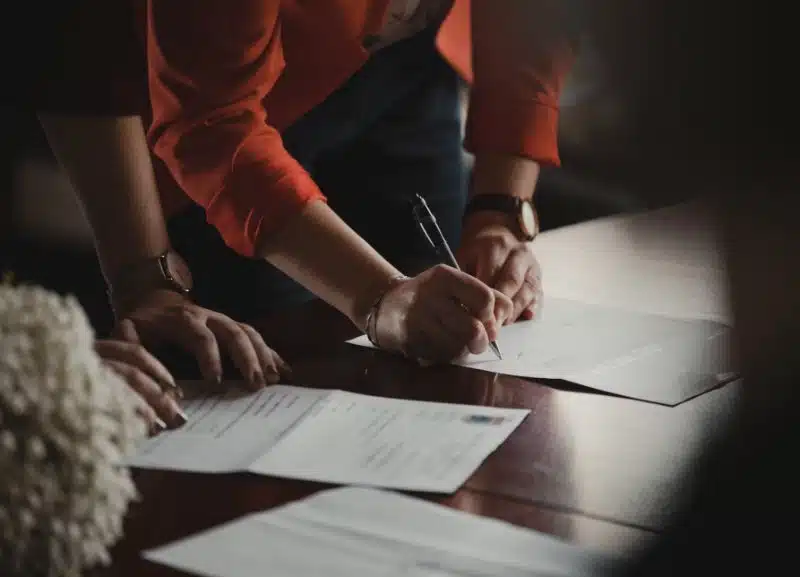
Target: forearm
x,y
108,162
504,174
320,251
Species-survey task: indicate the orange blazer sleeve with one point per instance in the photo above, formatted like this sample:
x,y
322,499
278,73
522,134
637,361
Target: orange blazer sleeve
x,y
211,62
522,51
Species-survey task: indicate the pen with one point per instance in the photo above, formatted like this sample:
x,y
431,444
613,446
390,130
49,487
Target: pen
x,y
423,215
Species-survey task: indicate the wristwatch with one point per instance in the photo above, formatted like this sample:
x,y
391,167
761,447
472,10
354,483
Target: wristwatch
x,y
167,271
520,209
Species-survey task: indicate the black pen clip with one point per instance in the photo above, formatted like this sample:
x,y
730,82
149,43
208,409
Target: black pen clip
x,y
421,215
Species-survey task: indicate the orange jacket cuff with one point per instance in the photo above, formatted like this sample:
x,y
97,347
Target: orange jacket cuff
x,y
518,127
253,204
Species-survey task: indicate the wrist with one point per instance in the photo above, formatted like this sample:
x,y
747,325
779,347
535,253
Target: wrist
x,y
371,328
478,221
167,272
506,213
365,307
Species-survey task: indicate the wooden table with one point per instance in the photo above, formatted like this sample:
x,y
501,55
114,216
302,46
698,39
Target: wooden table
x,y
594,469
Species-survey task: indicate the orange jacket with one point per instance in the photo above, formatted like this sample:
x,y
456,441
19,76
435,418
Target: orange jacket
x,y
227,75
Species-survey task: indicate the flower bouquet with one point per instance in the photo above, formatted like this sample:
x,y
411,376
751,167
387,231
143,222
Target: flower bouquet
x,y
66,421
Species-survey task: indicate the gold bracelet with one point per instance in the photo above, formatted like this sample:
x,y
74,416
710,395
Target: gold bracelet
x,y
371,326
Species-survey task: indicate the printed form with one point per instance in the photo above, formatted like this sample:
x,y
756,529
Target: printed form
x,y
638,355
333,436
360,531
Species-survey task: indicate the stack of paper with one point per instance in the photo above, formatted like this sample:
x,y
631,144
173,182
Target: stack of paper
x,y
638,355
333,436
354,532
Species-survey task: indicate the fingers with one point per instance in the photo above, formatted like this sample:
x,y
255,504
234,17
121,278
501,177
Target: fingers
x,y
126,331
429,340
137,356
181,326
164,405
155,424
476,296
464,331
191,332
239,345
533,310
518,280
524,298
512,275
273,365
503,308
204,333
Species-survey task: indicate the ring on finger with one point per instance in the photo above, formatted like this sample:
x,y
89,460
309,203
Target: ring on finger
x,y
170,389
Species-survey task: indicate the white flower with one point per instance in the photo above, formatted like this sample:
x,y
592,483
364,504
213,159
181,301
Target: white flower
x,y
66,421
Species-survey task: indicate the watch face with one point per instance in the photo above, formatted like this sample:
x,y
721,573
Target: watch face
x,y
527,220
179,271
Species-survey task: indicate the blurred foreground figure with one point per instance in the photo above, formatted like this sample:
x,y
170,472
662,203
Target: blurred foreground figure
x,y
714,112
66,421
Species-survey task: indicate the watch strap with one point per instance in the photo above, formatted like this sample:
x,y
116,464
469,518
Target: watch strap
x,y
155,273
493,202
522,212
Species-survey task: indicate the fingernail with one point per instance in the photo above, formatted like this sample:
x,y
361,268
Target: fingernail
x,y
257,379
287,374
158,426
179,419
216,383
273,378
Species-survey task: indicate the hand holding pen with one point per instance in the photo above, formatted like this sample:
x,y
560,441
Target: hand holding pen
x,y
433,234
436,316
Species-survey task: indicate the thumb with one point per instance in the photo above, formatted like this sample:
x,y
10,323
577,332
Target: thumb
x,y
126,331
503,307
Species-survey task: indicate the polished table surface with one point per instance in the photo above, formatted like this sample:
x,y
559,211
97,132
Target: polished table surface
x,y
591,468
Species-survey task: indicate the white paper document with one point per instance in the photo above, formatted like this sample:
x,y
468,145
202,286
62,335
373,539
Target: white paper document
x,y
355,532
333,436
638,355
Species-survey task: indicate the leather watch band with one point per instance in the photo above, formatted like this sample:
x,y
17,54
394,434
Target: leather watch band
x,y
494,202
520,210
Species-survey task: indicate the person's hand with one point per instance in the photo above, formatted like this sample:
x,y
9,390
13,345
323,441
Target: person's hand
x,y
439,315
148,378
493,253
168,318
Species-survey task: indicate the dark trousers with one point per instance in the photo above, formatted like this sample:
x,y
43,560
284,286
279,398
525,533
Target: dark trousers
x,y
391,131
